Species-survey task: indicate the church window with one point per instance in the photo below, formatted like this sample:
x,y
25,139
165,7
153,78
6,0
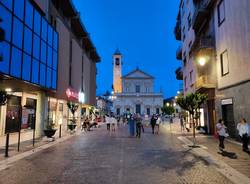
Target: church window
x,y
148,111
118,111
117,61
137,89
157,111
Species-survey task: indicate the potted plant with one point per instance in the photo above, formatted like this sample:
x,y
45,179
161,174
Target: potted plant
x,y
50,128
72,122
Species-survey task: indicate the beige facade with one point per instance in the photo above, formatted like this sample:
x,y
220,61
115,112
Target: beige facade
x,y
218,52
137,95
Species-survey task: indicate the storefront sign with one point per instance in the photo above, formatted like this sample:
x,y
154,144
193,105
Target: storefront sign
x,y
227,101
72,94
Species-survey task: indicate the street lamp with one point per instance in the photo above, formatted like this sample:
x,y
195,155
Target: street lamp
x,y
202,61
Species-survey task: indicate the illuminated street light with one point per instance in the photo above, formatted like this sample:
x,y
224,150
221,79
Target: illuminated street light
x,y
8,89
167,104
202,61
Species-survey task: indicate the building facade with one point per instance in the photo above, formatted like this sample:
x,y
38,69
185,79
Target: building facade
x,y
214,52
137,95
48,60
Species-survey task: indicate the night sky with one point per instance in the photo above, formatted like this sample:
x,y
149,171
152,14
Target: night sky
x,y
143,31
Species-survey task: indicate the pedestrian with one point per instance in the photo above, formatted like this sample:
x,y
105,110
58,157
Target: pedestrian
x,y
157,125
182,124
242,128
107,120
221,131
153,122
113,123
138,121
131,124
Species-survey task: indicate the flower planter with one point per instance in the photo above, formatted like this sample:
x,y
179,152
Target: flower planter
x,y
49,132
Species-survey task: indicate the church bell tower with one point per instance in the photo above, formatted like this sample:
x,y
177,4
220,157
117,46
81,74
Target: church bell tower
x,y
117,72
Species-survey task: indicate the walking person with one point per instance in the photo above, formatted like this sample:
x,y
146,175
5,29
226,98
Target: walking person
x,y
243,130
113,123
138,121
153,122
157,125
182,124
221,130
131,124
107,120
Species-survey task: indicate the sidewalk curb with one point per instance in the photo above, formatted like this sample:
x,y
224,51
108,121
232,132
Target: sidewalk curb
x,y
230,173
8,162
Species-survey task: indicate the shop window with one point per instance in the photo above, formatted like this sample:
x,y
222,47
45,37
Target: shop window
x,y
29,14
19,8
16,61
35,71
17,35
50,35
49,57
44,29
5,54
36,46
48,79
7,3
37,22
54,79
26,70
29,114
55,40
55,60
43,52
5,15
42,74
27,40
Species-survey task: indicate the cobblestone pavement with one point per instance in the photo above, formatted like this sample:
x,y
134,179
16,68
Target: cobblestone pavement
x,y
210,144
98,157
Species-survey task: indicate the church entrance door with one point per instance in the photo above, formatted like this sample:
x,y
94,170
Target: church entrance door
x,y
138,109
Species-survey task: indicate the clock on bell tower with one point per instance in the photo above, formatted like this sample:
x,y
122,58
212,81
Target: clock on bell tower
x,y
117,71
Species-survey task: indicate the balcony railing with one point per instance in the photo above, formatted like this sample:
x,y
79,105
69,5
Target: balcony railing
x,y
177,30
179,53
205,81
202,9
202,43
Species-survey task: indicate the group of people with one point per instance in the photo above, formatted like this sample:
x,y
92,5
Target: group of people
x,y
88,122
111,122
243,130
136,122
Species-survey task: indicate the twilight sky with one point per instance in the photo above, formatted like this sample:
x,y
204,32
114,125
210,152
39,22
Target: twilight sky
x,y
143,31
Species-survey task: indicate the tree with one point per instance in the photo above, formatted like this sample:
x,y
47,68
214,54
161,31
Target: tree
x,y
192,103
168,110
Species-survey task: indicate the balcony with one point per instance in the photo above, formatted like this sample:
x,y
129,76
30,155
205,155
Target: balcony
x,y
177,30
205,81
201,13
203,43
179,53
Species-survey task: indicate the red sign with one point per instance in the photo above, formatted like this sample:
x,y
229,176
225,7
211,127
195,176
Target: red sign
x,y
72,94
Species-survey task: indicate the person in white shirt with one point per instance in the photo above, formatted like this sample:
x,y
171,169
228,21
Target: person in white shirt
x,y
157,125
221,130
107,120
113,123
242,128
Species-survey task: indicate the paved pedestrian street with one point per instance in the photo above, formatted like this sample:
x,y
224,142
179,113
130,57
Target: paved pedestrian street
x,y
99,157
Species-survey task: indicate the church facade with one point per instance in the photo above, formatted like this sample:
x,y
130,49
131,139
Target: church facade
x,y
134,92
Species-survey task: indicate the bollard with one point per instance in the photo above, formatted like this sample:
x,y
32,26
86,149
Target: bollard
x,y
7,145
